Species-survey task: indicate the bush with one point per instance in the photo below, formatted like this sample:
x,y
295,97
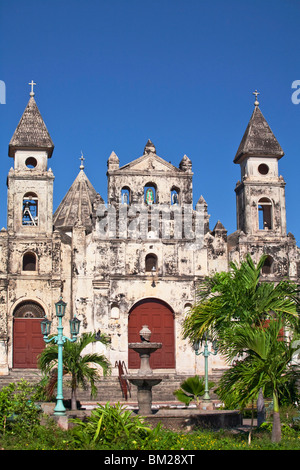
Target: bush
x,y
286,430
48,436
192,389
111,425
17,408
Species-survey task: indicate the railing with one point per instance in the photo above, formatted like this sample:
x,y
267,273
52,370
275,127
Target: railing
x,y
125,385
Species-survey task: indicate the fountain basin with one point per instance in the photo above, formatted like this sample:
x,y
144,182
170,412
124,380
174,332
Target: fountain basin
x,y
144,386
144,381
149,347
145,350
193,419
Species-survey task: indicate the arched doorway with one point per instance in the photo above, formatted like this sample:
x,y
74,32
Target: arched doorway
x,y
160,319
28,341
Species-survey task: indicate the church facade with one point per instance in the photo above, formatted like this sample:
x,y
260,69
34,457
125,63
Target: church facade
x,y
135,259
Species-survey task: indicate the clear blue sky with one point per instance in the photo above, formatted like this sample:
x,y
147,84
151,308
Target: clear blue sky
x,y
111,74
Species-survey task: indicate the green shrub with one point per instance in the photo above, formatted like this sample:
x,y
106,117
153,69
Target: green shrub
x,y
286,430
48,436
111,425
17,408
42,391
192,389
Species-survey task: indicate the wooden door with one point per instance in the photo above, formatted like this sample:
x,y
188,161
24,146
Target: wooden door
x,y
158,316
28,342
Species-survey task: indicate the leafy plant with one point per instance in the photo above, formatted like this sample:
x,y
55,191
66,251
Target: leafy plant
x,y
42,392
17,408
266,365
239,295
192,389
244,314
110,424
79,365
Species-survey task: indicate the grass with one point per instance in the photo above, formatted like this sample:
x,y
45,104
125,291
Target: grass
x,y
51,437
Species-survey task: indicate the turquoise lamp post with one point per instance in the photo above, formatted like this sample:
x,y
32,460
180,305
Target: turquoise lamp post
x,y
60,339
206,353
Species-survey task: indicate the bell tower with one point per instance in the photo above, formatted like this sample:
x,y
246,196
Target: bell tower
x,y
260,195
30,182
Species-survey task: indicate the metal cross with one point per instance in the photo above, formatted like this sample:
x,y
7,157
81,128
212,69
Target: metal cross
x,y
82,159
32,84
256,103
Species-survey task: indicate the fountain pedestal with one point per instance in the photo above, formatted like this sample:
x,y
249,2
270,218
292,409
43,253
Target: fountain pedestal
x,y
144,392
144,380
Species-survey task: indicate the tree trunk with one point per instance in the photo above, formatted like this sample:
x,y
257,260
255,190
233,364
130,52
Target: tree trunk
x,y
73,395
261,410
73,400
251,425
276,430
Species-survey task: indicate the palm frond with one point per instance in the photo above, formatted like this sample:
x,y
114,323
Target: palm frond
x,y
82,367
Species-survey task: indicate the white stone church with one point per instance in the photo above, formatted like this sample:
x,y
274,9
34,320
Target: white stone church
x,y
132,257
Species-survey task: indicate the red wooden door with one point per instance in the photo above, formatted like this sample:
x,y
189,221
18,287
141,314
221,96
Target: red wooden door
x,y
28,342
160,319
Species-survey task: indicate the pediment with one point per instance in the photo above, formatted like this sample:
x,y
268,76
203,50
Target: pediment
x,y
149,162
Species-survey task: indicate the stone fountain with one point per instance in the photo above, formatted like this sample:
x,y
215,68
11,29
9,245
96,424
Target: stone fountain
x,y
176,419
144,380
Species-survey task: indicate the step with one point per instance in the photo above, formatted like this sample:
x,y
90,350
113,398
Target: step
x,y
108,388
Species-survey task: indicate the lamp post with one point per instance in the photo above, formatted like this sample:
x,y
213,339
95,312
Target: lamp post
x,y
60,339
206,353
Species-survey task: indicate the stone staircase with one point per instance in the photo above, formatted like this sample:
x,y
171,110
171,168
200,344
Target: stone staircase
x,y
109,388
15,375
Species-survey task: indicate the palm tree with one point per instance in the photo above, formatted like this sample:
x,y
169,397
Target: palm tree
x,y
240,296
266,364
75,363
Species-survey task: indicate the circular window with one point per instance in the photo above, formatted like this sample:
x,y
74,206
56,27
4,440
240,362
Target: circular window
x,y
263,169
30,162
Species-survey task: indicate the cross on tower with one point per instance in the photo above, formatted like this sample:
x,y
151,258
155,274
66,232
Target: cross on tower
x,y
82,159
32,85
256,103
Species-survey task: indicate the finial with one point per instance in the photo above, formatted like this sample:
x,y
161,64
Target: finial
x,y
150,147
32,85
81,158
256,103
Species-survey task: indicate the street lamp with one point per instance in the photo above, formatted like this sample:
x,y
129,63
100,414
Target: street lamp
x,y
206,353
60,339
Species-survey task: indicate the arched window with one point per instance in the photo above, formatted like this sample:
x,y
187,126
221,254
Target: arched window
x,y
174,196
150,194
265,214
29,262
268,266
30,209
125,195
151,263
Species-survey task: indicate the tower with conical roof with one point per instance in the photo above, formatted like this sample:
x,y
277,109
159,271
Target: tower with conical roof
x,y
34,250
260,202
30,182
261,192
